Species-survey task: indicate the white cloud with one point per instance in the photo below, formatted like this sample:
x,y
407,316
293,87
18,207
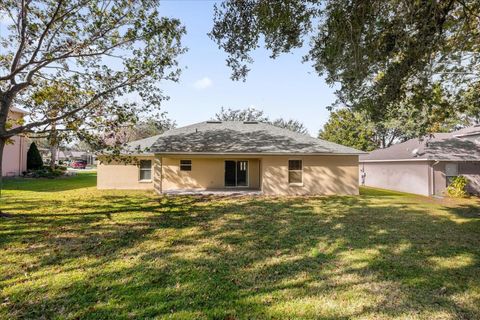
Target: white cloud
x,y
203,83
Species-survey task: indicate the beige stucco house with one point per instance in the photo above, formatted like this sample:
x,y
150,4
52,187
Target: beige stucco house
x,y
15,151
234,155
426,166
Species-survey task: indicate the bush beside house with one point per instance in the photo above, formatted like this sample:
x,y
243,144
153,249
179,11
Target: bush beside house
x,y
34,159
457,188
35,166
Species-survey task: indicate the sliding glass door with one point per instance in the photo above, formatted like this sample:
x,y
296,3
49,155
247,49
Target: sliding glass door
x,y
236,173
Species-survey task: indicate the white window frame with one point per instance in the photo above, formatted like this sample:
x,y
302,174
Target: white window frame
x,y
140,169
180,165
297,184
448,176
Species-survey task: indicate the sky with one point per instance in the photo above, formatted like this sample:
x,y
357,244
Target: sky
x,y
284,87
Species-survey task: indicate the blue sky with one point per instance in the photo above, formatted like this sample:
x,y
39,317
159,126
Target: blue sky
x,y
283,87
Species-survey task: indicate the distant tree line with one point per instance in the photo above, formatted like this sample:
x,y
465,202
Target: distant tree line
x,y
252,114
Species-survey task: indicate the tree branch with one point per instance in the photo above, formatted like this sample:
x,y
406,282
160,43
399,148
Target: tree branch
x,y
95,98
45,31
18,54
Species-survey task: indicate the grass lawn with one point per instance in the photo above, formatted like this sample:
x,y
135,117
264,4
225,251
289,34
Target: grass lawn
x,y
69,251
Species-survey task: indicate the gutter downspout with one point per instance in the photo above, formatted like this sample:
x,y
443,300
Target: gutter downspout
x,y
20,153
161,175
433,176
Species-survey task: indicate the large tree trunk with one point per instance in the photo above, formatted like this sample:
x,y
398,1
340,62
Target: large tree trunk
x,y
2,146
53,156
53,142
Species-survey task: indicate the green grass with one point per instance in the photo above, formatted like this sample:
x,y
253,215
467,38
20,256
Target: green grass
x,y
69,251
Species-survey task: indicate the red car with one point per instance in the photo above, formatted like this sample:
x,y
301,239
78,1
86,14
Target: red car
x,y
79,164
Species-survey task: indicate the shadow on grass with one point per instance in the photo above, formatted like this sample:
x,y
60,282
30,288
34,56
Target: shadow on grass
x,y
80,180
210,257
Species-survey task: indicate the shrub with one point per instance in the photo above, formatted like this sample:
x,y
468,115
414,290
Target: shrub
x,y
457,188
47,172
34,159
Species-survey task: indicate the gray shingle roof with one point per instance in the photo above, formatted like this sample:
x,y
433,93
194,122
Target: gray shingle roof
x,y
142,145
454,146
237,137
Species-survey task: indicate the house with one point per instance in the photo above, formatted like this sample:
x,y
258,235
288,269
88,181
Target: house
x,y
426,166
15,151
65,156
72,155
235,155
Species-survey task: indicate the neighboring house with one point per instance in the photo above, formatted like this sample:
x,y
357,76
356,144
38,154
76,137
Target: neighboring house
x,y
69,155
233,155
15,151
426,166
64,156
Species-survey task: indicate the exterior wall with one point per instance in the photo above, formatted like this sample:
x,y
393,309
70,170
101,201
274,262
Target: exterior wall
x,y
439,178
15,154
469,169
124,176
404,176
207,173
322,175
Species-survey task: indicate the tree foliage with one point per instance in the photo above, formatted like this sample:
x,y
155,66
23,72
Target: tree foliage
x,y
34,159
290,124
248,114
383,55
252,114
351,129
356,129
99,52
149,127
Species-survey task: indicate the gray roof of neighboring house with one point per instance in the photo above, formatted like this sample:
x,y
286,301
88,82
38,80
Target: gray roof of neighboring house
x,y
453,146
469,131
66,154
238,137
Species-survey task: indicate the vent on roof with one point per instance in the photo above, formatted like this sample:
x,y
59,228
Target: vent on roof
x,y
250,122
213,121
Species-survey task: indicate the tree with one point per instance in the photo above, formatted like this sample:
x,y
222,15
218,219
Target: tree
x,y
48,99
356,129
382,54
100,51
150,127
252,114
351,129
34,159
248,114
292,125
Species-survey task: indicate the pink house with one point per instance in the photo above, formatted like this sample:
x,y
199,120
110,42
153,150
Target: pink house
x,y
15,153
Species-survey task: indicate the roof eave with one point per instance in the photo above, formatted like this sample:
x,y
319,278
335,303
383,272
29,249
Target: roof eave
x,y
261,153
413,160
394,160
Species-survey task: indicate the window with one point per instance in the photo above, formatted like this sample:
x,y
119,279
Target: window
x,y
145,170
451,172
295,172
185,165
